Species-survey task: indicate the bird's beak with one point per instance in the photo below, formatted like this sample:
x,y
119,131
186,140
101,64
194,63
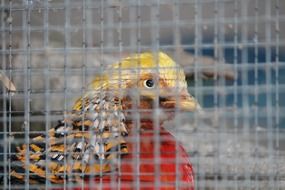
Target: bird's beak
x,y
187,102
184,102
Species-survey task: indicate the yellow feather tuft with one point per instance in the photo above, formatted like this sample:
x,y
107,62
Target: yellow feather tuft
x,y
146,60
131,68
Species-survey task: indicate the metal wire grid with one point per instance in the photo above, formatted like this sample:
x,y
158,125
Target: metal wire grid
x,y
238,143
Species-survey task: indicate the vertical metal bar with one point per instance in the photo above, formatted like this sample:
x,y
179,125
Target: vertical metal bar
x,y
216,91
244,81
137,41
133,17
89,23
27,85
177,52
221,56
65,75
268,78
10,98
83,87
277,92
135,107
109,27
221,86
132,30
47,87
197,52
116,29
118,10
4,108
155,26
235,85
102,47
256,91
138,19
88,9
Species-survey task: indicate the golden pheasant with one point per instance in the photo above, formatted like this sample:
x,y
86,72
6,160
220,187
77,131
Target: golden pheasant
x,y
114,137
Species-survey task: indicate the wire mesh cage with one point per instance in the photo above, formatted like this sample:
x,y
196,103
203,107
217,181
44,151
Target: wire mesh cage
x,y
231,52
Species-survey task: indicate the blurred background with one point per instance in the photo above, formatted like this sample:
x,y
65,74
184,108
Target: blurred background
x,y
233,53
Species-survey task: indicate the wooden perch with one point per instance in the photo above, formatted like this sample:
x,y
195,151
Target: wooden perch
x,y
207,67
7,82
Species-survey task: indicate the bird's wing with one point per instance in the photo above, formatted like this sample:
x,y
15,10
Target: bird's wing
x,y
85,143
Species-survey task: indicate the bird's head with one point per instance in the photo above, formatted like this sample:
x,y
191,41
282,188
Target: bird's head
x,y
147,81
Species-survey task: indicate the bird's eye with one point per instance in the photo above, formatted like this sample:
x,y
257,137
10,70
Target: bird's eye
x,y
149,83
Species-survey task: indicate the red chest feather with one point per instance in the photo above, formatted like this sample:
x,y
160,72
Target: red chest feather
x,y
146,168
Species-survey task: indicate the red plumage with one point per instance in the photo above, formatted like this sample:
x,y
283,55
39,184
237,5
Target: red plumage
x,y
173,171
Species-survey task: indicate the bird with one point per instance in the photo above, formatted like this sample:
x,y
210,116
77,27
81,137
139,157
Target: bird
x,y
113,137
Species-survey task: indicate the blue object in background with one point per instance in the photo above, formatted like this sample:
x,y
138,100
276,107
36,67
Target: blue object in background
x,y
246,77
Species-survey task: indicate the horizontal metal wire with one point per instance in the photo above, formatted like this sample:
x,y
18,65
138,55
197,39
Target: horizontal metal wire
x,y
51,50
